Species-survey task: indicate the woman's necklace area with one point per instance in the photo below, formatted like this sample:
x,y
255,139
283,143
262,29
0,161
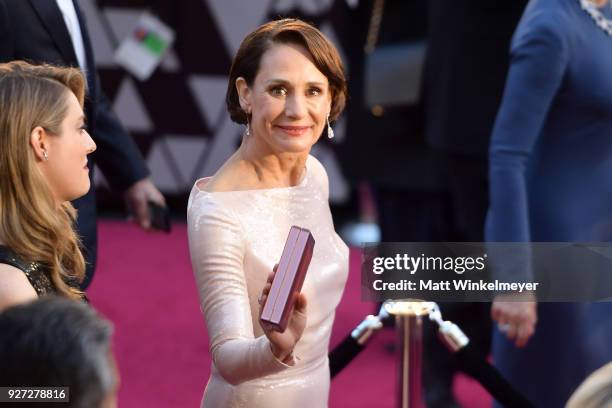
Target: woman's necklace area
x,y
602,21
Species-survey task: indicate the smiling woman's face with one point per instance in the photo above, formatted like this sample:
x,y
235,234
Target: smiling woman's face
x,y
289,100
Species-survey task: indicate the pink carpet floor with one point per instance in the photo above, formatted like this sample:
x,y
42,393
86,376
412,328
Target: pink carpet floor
x,y
144,285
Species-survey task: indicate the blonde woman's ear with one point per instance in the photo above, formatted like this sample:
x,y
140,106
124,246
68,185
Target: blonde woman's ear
x,y
38,143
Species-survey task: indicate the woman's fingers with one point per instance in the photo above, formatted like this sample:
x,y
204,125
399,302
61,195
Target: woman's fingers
x,y
266,289
524,332
512,330
300,303
517,321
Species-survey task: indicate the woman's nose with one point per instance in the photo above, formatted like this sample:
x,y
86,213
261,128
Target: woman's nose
x,y
91,145
295,106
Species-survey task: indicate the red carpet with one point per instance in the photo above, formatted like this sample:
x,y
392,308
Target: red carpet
x,y
144,285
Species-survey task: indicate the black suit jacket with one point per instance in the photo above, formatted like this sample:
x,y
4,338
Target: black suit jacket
x,y
465,71
34,31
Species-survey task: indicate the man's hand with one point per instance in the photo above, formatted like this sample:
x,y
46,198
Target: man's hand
x,y
137,198
516,316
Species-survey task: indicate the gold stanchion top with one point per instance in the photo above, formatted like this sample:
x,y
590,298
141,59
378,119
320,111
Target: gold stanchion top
x,y
409,307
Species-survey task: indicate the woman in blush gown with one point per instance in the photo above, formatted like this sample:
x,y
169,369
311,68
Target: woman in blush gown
x,y
286,84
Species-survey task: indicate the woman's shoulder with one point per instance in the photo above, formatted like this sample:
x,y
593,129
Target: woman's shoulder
x,y
32,272
219,183
206,209
202,201
318,173
547,18
9,257
315,164
15,287
231,177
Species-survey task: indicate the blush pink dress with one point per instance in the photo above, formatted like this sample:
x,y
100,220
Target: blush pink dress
x,y
235,238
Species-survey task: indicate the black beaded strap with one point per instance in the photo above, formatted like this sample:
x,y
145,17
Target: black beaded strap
x,y
35,272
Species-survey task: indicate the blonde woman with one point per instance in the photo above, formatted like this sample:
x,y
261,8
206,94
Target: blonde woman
x,y
43,165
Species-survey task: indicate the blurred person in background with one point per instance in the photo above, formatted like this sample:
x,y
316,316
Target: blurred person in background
x,y
595,391
56,342
386,145
465,72
54,32
550,172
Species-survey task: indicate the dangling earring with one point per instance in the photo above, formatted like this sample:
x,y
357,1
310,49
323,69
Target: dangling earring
x,y
247,132
330,131
45,155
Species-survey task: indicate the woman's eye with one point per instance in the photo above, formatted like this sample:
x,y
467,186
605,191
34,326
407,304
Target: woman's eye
x,y
83,128
314,91
279,91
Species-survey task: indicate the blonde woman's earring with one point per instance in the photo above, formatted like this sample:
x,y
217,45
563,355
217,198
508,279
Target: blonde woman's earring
x,y
45,155
330,131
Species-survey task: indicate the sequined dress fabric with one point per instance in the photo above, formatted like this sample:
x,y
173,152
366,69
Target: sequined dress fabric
x,y
35,272
235,238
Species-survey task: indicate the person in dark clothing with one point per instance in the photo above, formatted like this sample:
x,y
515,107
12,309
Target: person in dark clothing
x,y
465,71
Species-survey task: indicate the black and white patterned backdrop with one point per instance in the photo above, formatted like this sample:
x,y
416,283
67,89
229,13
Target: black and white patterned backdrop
x,y
178,115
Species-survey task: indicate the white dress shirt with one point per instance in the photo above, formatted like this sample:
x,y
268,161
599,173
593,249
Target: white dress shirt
x,y
74,29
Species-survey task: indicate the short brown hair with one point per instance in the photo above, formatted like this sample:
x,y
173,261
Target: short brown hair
x,y
286,31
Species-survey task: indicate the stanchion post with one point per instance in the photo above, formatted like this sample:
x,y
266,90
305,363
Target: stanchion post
x,y
409,326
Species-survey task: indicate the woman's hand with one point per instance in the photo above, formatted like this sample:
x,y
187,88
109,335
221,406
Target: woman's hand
x,y
516,316
283,343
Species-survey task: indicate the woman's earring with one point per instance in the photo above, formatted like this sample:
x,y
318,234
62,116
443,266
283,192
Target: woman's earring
x,y
330,131
45,155
247,132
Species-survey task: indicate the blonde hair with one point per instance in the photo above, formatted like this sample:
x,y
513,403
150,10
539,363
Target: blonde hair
x,y
31,224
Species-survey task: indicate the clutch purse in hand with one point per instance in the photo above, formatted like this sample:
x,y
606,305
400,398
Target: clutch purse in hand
x,y
288,280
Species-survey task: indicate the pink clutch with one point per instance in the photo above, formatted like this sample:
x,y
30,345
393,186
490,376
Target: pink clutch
x,y
288,280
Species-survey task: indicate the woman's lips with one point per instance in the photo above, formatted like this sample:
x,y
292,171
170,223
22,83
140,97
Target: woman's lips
x,y
294,130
